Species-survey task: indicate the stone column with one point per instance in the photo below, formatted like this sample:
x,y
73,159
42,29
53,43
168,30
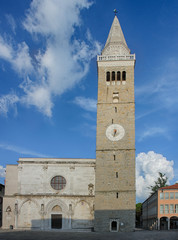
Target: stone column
x,y
168,223
16,216
158,223
42,213
70,222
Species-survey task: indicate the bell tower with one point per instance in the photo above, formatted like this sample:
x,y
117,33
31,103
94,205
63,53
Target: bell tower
x,y
115,138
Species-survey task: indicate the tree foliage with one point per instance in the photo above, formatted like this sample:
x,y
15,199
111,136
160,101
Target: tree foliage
x,y
138,207
138,214
161,182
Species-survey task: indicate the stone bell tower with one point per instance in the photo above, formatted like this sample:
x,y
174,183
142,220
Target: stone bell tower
x,y
115,138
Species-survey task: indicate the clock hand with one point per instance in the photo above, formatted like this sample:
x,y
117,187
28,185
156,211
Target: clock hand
x,y
115,131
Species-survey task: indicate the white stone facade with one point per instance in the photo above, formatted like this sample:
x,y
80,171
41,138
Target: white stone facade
x,y
30,201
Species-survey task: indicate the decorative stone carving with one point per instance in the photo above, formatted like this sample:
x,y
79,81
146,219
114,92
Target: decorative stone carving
x,y
8,209
90,188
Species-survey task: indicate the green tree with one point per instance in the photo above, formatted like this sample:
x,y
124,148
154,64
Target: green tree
x,y
161,182
138,207
138,214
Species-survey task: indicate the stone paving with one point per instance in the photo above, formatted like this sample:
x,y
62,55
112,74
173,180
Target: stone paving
x,y
56,235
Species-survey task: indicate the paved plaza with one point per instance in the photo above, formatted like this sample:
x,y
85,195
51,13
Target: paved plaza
x,y
56,235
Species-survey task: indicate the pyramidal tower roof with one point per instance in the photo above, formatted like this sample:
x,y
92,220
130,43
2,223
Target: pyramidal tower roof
x,y
116,44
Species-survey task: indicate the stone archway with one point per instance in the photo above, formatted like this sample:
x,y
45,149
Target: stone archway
x,y
82,217
29,216
174,222
164,223
57,214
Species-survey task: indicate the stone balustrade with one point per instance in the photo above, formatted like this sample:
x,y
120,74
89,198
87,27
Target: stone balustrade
x,y
115,57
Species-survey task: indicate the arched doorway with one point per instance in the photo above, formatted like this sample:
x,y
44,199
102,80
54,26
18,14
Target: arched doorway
x,y
164,223
174,223
56,217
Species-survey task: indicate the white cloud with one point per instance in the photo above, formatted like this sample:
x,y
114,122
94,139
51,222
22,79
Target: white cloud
x,y
22,61
42,15
62,61
148,166
6,102
18,56
66,59
152,132
2,171
6,50
11,22
88,104
20,150
37,95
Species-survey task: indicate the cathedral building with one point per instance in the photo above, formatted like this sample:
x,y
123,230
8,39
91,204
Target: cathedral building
x,y
95,194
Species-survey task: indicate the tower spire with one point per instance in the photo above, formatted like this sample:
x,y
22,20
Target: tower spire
x,y
116,44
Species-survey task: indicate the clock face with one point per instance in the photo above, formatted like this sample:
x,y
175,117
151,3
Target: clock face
x,y
115,132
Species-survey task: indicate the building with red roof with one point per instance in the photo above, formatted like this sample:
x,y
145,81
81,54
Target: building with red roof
x,y
160,210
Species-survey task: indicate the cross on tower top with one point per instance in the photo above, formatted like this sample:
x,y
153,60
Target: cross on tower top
x,y
115,11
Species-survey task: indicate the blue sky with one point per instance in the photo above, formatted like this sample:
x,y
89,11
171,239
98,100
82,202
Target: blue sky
x,y
48,80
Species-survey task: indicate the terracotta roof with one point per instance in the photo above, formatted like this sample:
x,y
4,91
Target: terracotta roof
x,y
175,186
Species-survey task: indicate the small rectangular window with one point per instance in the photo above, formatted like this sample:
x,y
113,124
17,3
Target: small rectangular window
x,y
176,195
117,195
166,208
171,208
114,157
117,175
176,208
161,209
115,109
112,121
166,195
161,195
171,195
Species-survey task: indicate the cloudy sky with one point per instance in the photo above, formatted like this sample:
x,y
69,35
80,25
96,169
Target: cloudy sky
x,y
48,80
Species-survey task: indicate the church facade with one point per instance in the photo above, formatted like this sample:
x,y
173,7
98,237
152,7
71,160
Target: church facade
x,y
98,194
49,194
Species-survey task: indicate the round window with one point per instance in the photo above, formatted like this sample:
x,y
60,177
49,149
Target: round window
x,y
58,182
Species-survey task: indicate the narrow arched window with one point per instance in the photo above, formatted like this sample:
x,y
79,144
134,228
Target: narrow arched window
x,y
113,76
124,76
118,76
114,226
108,76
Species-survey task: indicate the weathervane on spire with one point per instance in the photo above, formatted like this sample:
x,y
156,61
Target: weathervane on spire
x,y
115,11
